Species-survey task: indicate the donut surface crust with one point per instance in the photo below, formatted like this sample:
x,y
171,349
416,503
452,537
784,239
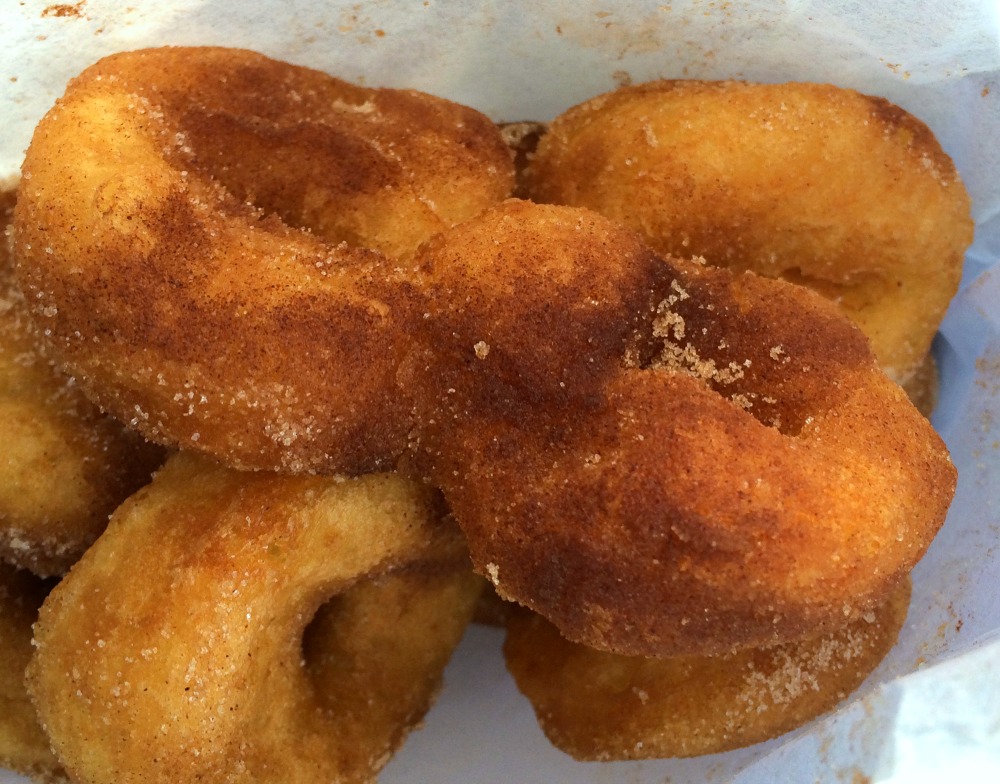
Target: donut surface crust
x,y
174,650
601,706
823,186
215,243
659,456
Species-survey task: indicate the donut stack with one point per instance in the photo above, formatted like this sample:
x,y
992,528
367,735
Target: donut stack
x,y
372,370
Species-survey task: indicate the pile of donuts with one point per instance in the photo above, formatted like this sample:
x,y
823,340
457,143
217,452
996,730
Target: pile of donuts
x,y
330,355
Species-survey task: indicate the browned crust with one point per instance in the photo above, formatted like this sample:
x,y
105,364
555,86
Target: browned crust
x,y
600,706
161,236
712,461
843,192
658,456
184,660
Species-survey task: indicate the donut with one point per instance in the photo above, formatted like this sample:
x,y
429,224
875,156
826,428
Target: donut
x,y
24,746
819,185
658,456
601,706
215,243
65,466
173,651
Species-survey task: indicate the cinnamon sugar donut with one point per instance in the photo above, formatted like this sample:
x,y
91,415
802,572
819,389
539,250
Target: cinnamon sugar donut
x,y
174,649
215,243
818,185
600,706
659,456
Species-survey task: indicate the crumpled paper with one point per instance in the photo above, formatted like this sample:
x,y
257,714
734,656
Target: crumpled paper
x,y
933,708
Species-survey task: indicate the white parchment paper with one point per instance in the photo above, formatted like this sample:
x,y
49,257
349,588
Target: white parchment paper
x,y
932,710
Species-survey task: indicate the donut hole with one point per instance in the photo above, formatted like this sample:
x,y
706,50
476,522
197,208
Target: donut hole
x,y
314,176
358,670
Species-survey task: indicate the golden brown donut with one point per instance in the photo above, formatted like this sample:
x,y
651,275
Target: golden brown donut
x,y
215,243
659,456
173,650
64,466
600,706
24,746
842,192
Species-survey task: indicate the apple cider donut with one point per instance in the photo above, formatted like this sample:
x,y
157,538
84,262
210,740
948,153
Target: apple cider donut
x,y
64,466
659,456
600,706
823,186
173,651
214,242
